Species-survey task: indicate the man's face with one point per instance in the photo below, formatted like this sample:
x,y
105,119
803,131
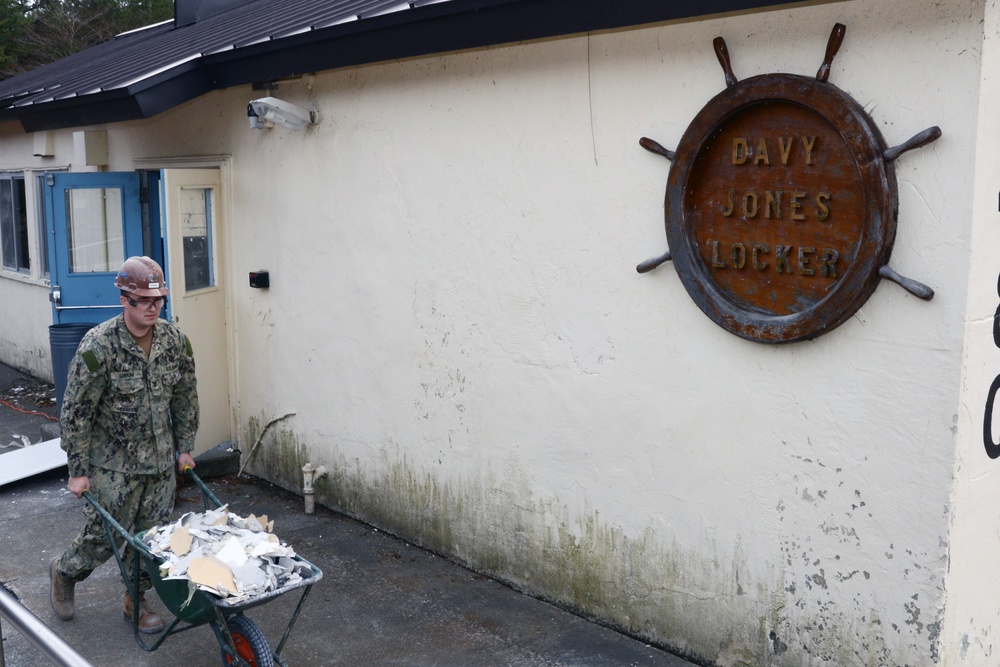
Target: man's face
x,y
141,312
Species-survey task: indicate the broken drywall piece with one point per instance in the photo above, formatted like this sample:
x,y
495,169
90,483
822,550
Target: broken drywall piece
x,y
255,524
24,462
179,569
249,576
24,441
211,573
232,553
222,518
180,541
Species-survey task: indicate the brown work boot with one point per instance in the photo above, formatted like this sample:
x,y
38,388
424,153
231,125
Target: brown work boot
x,y
60,593
149,621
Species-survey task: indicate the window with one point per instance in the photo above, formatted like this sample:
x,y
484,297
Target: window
x,y
13,223
196,230
94,222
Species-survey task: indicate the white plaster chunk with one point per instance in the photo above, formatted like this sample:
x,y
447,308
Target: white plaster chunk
x,y
232,553
225,554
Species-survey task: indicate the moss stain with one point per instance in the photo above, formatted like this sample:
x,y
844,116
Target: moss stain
x,y
633,583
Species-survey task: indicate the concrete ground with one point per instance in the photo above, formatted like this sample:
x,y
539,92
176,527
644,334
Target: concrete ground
x,y
381,601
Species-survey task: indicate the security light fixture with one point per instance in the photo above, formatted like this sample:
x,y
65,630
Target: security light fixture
x,y
279,112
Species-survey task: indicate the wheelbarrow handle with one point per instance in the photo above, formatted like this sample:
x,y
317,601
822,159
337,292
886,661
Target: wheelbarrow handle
x,y
191,475
133,541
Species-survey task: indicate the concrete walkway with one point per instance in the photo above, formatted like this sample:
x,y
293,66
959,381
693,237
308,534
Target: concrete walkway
x,y
381,601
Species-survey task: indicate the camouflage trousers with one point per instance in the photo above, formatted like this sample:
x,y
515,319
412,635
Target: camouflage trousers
x,y
137,502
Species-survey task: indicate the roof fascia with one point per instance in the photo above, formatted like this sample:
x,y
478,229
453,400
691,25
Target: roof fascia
x,y
451,26
421,31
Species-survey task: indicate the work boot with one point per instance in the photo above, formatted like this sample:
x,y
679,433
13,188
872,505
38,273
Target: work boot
x,y
60,593
149,621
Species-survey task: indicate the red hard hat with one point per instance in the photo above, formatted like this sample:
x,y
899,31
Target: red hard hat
x,y
141,276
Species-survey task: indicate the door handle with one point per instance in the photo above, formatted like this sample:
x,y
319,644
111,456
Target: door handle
x,y
55,296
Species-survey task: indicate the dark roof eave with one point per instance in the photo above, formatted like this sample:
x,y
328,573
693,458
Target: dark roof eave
x,y
479,23
104,107
163,92
438,28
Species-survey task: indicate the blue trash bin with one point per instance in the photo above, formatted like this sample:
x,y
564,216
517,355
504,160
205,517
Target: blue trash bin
x,y
63,341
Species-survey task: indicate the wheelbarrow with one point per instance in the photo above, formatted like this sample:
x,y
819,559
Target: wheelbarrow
x,y
240,639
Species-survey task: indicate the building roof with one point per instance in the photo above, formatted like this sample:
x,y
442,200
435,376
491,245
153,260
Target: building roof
x,y
147,71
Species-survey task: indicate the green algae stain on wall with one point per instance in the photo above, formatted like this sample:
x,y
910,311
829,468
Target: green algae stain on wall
x,y
642,583
499,527
278,456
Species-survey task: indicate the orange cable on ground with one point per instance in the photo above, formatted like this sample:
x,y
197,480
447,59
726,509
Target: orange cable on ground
x,y
30,412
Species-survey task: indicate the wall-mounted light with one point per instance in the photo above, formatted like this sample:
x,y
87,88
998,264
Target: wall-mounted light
x,y
255,121
272,110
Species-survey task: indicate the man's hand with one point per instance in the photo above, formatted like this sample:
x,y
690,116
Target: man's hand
x,y
77,485
184,461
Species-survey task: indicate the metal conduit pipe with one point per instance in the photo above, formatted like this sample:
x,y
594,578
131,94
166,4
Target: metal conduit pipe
x,y
48,642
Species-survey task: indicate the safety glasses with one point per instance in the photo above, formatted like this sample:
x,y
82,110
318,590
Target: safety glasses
x,y
147,304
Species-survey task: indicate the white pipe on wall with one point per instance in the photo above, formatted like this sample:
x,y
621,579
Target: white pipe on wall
x,y
309,476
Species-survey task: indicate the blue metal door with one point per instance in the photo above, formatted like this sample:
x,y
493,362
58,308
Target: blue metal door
x,y
95,221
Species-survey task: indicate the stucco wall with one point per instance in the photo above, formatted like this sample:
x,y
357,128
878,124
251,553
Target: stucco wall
x,y
456,322
971,612
24,335
482,368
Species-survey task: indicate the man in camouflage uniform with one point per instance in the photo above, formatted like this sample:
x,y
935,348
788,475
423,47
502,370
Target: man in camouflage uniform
x,y
129,415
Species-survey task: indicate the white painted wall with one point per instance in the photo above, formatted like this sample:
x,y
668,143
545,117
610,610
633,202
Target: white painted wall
x,y
971,613
24,331
457,324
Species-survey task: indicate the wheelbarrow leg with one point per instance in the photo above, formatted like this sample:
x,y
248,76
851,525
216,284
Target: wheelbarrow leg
x,y
291,623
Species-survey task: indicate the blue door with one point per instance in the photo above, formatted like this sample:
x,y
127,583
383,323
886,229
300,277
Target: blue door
x,y
95,221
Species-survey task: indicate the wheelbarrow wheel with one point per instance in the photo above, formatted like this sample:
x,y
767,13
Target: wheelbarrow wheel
x,y
250,644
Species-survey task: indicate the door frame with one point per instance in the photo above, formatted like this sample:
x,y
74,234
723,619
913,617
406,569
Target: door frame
x,y
225,253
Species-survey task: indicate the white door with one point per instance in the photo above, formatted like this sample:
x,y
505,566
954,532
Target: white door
x,y
192,210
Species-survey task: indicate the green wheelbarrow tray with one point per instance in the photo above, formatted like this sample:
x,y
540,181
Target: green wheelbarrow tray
x,y
240,641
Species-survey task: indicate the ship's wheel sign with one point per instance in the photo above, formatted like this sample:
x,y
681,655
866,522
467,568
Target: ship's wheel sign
x,y
781,204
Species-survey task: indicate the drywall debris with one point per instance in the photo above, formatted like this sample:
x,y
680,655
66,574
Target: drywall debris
x,y
24,441
225,554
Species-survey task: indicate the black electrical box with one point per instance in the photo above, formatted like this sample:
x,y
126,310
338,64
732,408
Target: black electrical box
x,y
260,279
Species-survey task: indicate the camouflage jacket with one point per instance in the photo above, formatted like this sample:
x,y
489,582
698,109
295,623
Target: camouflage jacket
x,y
126,412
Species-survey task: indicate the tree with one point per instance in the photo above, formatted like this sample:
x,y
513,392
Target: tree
x,y
12,27
36,32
